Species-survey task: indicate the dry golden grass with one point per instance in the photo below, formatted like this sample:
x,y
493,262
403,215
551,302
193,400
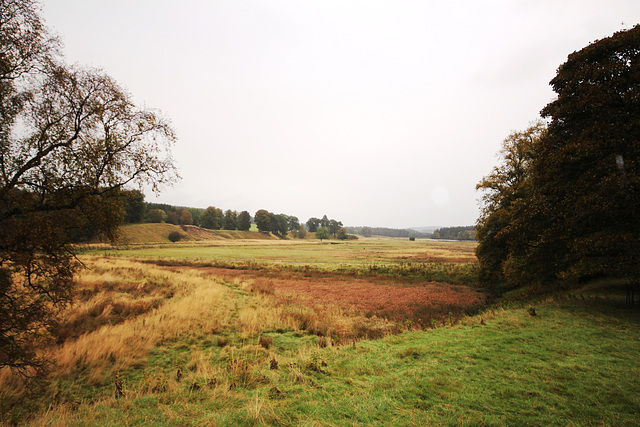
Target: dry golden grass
x,y
194,305
200,305
126,310
162,306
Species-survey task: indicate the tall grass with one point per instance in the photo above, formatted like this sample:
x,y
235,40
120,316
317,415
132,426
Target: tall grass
x,y
571,364
126,312
175,343
446,262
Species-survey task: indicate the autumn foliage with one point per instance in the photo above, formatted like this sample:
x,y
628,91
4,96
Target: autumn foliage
x,y
564,202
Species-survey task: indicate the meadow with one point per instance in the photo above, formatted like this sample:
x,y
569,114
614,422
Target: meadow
x,y
368,332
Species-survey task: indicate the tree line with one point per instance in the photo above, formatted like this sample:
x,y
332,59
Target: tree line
x,y
563,203
137,211
455,233
387,232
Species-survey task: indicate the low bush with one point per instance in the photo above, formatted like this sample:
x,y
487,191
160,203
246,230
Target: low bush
x,y
175,236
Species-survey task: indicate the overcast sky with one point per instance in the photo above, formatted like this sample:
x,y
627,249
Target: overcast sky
x,y
380,113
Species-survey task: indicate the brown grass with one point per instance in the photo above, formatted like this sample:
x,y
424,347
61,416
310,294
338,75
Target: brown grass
x,y
126,308
397,299
191,305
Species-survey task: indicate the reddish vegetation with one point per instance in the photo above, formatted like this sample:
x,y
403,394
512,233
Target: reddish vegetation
x,y
397,299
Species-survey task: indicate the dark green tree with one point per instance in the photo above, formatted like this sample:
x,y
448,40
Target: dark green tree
x,y
586,176
263,221
334,226
244,221
211,218
313,224
575,213
134,206
230,220
279,224
294,223
504,192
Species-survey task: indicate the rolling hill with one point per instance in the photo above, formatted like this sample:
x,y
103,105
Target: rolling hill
x,y
159,233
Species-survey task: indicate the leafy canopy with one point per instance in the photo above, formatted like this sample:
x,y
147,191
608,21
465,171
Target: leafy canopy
x,y
564,202
70,140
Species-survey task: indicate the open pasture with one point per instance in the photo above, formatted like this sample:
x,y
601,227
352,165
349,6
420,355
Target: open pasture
x,y
366,251
347,334
445,262
158,345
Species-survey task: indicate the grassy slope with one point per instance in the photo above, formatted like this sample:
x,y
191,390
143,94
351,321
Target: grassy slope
x,y
572,364
159,233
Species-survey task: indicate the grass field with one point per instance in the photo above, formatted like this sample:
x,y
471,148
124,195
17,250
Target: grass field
x,y
299,333
451,262
310,251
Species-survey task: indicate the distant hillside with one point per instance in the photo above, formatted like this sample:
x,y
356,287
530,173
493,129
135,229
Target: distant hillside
x,y
159,233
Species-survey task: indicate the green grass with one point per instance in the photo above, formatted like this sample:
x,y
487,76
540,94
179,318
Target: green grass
x,y
302,251
575,363
435,261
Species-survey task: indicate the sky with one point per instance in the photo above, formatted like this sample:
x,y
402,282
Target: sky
x,y
378,113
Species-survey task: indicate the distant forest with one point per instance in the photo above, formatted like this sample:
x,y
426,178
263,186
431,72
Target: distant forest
x,y
452,233
387,232
455,233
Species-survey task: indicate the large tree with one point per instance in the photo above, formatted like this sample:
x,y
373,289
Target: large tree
x,y
504,191
230,220
313,224
185,217
244,221
70,140
263,221
577,215
279,224
294,223
334,226
211,218
587,175
134,206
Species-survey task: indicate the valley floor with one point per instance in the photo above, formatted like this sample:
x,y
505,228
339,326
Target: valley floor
x,y
174,341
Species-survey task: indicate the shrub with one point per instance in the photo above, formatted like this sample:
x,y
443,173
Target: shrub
x,y
175,236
